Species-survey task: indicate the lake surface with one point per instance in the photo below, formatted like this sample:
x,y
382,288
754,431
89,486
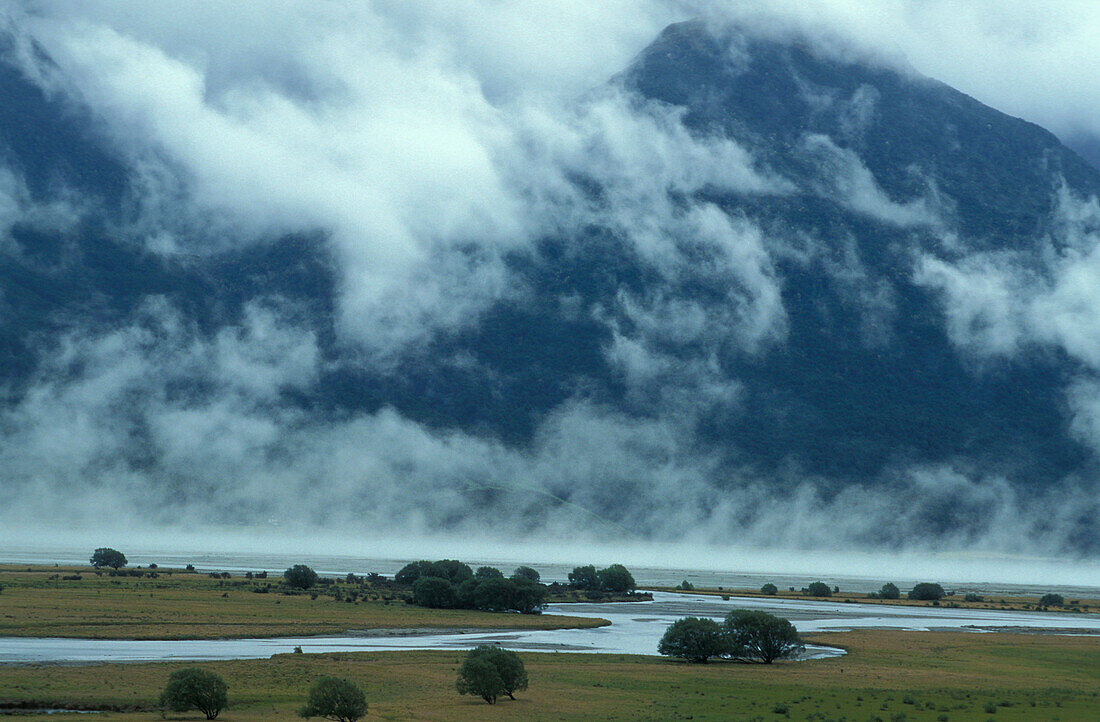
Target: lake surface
x,y
635,628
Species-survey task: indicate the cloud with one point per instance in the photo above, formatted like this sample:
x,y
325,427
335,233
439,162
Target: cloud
x,y
431,144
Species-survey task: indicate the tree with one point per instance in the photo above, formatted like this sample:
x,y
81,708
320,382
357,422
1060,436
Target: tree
x,y
300,576
926,591
616,578
494,595
526,573
585,577
413,571
488,573
769,588
490,672
694,639
819,589
335,699
889,591
755,636
452,570
434,592
528,597
1052,600
107,557
194,688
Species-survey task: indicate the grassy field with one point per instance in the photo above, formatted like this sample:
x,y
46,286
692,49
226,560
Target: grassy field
x,y
42,603
888,676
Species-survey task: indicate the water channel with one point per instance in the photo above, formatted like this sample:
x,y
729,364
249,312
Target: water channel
x,y
635,628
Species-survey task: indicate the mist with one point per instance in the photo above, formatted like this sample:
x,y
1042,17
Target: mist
x,y
421,150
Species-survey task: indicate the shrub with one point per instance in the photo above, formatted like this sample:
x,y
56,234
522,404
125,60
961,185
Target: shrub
x,y
755,636
490,672
769,588
889,591
488,573
526,573
972,597
434,592
194,688
819,589
616,578
335,699
926,591
686,586
693,639
107,557
1052,600
300,576
452,570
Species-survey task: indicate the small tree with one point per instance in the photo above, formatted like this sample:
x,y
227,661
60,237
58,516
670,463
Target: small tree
x,y
889,591
490,672
335,699
756,636
488,573
926,591
526,573
1052,600
452,570
300,576
434,592
585,577
616,578
693,639
194,688
107,557
769,588
529,597
819,589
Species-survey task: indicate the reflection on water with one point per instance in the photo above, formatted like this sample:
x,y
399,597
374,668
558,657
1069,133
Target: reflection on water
x,y
635,628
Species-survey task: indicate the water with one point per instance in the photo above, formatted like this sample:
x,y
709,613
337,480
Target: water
x,y
341,564
635,628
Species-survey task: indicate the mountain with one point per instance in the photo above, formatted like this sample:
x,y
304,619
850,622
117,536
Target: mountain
x,y
875,189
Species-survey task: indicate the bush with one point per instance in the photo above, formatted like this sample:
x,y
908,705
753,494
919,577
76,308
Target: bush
x,y
585,577
526,573
490,672
335,699
452,570
300,576
434,592
755,636
686,586
927,591
694,639
194,688
107,557
819,589
1052,600
488,573
972,597
769,588
616,578
889,591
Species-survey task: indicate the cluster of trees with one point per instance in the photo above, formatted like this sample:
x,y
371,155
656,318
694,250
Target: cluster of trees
x,y
490,672
194,688
450,584
615,578
745,636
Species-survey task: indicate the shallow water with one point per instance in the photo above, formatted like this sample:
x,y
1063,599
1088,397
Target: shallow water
x,y
635,628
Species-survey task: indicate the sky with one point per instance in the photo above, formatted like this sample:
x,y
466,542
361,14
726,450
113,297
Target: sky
x,y
408,131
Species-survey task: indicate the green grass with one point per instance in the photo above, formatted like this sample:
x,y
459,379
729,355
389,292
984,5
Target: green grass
x,y
180,605
887,675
